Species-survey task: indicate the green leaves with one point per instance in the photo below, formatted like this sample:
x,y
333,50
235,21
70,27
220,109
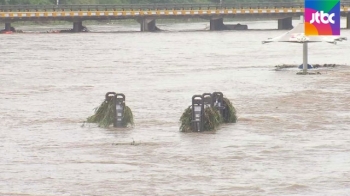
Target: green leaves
x,y
212,117
185,120
229,112
105,113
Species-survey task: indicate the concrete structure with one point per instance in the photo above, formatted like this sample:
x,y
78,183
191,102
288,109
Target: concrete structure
x,y
77,26
7,27
148,24
146,15
217,24
285,23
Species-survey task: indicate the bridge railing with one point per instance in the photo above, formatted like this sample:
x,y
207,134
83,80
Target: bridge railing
x,y
146,7
29,8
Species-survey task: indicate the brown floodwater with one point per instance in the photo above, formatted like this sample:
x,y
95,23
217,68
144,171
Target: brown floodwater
x,y
292,136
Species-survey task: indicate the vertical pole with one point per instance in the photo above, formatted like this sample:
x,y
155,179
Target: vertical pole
x,y
304,57
119,107
197,112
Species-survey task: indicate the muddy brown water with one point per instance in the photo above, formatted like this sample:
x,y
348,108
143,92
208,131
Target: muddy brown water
x,y
292,135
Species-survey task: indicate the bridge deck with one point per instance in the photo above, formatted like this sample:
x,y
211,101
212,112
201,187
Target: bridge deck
x,y
96,12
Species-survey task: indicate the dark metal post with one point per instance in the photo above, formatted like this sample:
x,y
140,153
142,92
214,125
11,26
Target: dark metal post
x,y
119,100
109,96
218,99
197,113
208,100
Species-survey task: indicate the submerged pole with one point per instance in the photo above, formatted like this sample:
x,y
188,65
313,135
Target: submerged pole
x,y
304,57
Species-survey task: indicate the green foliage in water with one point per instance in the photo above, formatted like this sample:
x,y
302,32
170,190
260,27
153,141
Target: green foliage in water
x,y
212,120
229,113
128,118
105,113
185,120
212,117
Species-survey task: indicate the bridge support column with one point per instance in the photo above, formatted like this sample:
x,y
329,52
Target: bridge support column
x,y
348,21
285,23
8,26
148,25
217,24
237,27
77,26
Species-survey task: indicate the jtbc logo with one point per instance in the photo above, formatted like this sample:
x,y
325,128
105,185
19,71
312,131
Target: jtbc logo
x,y
317,16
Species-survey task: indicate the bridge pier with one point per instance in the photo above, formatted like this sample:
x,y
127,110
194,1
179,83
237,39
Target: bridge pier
x,y
348,20
148,25
237,27
77,26
8,26
285,23
217,24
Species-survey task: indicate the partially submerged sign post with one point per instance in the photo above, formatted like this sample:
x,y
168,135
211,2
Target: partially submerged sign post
x,y
321,24
296,35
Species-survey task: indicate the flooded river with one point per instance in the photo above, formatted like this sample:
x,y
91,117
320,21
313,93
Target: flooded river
x,y
292,135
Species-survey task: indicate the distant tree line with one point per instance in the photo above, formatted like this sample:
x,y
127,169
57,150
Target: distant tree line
x,y
52,2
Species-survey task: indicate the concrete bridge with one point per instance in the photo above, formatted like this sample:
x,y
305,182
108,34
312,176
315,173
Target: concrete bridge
x,y
146,15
